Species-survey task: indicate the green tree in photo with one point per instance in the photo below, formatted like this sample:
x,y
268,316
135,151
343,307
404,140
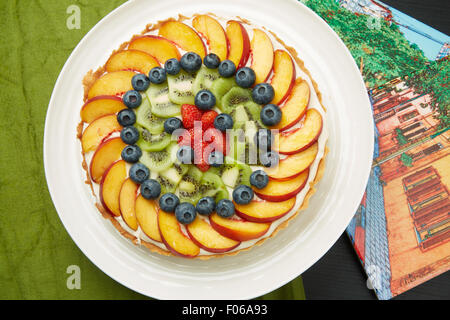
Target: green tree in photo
x,y
380,47
434,79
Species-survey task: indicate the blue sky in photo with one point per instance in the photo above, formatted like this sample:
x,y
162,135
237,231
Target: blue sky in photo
x,y
428,46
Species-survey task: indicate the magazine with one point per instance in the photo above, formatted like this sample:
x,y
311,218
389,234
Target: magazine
x,y
401,230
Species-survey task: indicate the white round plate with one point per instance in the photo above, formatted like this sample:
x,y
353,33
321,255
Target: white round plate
x,y
279,260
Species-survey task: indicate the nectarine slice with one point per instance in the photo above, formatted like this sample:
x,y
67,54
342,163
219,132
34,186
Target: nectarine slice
x,y
216,38
112,84
98,130
294,164
295,106
174,239
262,55
107,153
209,239
296,140
100,106
110,186
239,43
147,217
238,229
184,36
278,191
127,203
283,76
134,60
264,211
158,47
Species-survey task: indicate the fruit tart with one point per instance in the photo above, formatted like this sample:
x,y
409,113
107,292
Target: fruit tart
x,y
202,136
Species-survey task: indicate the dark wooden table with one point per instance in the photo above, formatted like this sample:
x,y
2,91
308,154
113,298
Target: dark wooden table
x,y
339,275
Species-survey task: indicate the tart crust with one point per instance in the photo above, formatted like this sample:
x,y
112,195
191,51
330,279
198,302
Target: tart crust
x,y
92,76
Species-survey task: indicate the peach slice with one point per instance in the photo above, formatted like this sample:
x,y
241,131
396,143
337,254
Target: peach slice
x,y
295,107
278,191
293,165
237,229
134,60
203,235
100,106
112,84
184,36
264,211
110,186
283,76
262,55
239,43
147,217
158,47
294,141
107,153
174,239
98,130
216,38
127,203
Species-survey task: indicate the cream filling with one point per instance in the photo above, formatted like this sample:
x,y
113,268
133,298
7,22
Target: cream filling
x,y
314,103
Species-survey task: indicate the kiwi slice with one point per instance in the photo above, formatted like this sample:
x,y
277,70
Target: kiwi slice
x,y
213,186
158,161
220,87
170,178
180,88
162,106
146,119
204,79
234,97
152,142
189,186
233,173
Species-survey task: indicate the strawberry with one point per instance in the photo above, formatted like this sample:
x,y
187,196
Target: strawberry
x,y
208,119
189,114
216,139
200,159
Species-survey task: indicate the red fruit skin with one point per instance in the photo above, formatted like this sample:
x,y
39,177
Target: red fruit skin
x,y
216,139
189,114
208,119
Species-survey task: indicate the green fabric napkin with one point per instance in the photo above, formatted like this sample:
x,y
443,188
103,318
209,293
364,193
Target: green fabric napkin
x,y
35,249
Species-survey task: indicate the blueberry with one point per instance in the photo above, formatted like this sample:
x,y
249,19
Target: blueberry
x,y
263,139
205,100
191,62
131,154
172,124
139,173
129,135
245,77
205,205
269,159
157,75
185,213
225,208
263,93
132,99
259,179
150,189
140,82
126,117
211,61
243,194
215,159
185,154
227,68
223,122
172,66
270,114
168,202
